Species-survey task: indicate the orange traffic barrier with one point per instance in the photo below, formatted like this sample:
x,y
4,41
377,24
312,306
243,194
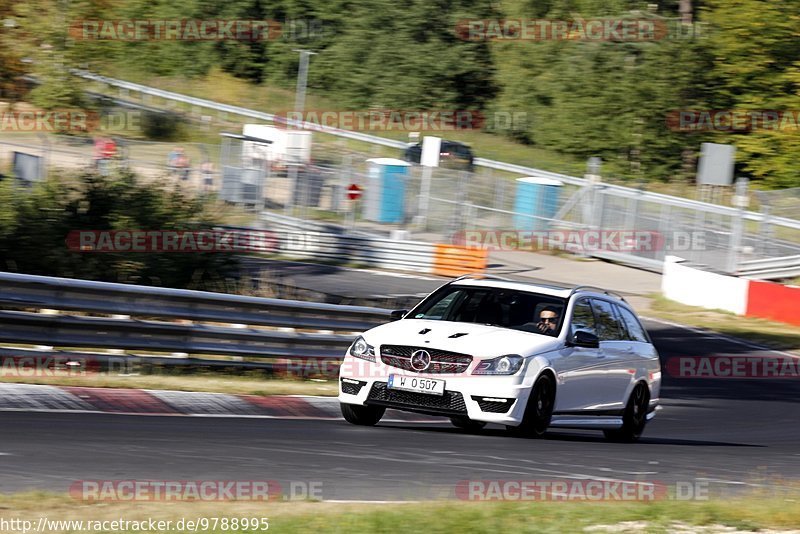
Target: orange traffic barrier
x,y
452,260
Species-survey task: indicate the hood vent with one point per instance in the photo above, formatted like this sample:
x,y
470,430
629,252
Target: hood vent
x,y
424,331
458,335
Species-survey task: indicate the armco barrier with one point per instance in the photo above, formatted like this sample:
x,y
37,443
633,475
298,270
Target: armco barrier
x,y
381,252
783,267
174,320
752,298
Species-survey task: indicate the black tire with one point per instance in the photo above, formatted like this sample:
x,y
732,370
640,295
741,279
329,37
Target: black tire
x,y
362,415
538,411
634,418
465,423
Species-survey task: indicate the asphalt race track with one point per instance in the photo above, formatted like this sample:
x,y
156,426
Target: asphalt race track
x,y
727,433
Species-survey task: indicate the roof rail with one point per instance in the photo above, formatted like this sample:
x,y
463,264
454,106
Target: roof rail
x,y
599,290
479,276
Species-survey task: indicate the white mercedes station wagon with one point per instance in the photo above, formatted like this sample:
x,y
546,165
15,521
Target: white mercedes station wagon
x,y
529,356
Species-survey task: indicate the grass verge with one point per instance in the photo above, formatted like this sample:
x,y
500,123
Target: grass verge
x,y
210,383
433,517
768,333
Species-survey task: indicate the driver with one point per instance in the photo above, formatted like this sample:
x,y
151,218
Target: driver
x,y
548,321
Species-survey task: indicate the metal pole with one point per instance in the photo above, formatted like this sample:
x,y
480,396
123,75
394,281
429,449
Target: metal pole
x,y
735,243
292,174
302,79
740,200
424,196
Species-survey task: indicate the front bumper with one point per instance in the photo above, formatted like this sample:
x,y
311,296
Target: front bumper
x,y
491,399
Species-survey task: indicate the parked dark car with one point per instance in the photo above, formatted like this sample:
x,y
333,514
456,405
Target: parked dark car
x,y
452,155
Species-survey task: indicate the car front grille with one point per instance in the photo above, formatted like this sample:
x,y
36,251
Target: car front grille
x,y
442,361
451,403
494,406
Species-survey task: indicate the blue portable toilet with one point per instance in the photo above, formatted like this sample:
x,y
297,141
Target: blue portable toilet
x,y
384,198
537,196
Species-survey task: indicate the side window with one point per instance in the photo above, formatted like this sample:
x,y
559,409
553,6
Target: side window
x,y
623,328
635,330
582,318
608,328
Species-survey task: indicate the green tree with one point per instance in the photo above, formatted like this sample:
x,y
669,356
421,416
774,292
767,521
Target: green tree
x,y
407,55
757,63
33,236
608,99
11,66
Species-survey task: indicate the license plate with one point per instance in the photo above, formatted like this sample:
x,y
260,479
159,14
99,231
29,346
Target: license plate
x,y
416,384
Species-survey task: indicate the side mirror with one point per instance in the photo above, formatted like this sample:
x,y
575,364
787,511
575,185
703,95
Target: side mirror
x,y
585,339
397,314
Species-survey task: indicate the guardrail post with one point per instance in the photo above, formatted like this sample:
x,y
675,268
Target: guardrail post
x,y
424,197
740,201
293,185
735,243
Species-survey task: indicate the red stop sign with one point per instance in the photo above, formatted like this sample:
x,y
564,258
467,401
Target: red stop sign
x,y
353,192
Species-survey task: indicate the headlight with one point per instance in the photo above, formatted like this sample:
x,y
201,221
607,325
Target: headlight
x,y
504,365
360,349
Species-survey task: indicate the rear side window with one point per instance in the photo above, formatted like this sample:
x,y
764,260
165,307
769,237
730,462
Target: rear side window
x,y
583,318
608,327
636,331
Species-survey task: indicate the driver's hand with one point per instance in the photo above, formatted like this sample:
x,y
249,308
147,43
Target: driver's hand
x,y
542,327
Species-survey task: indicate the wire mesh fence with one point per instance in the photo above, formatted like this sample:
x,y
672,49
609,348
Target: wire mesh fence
x,y
781,203
441,204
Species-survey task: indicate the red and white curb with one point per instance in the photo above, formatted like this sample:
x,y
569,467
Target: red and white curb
x,y
40,398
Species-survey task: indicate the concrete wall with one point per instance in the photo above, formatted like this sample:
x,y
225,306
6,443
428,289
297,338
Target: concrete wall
x,y
700,288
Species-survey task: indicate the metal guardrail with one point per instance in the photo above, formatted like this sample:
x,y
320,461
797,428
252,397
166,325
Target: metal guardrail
x,y
174,320
236,110
276,221
331,243
497,165
413,256
770,268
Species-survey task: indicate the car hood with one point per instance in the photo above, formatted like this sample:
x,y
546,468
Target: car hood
x,y
478,340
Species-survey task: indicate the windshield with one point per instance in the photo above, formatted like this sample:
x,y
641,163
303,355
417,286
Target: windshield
x,y
508,308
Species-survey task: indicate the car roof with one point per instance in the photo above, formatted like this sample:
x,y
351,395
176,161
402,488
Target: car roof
x,y
544,289
552,290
